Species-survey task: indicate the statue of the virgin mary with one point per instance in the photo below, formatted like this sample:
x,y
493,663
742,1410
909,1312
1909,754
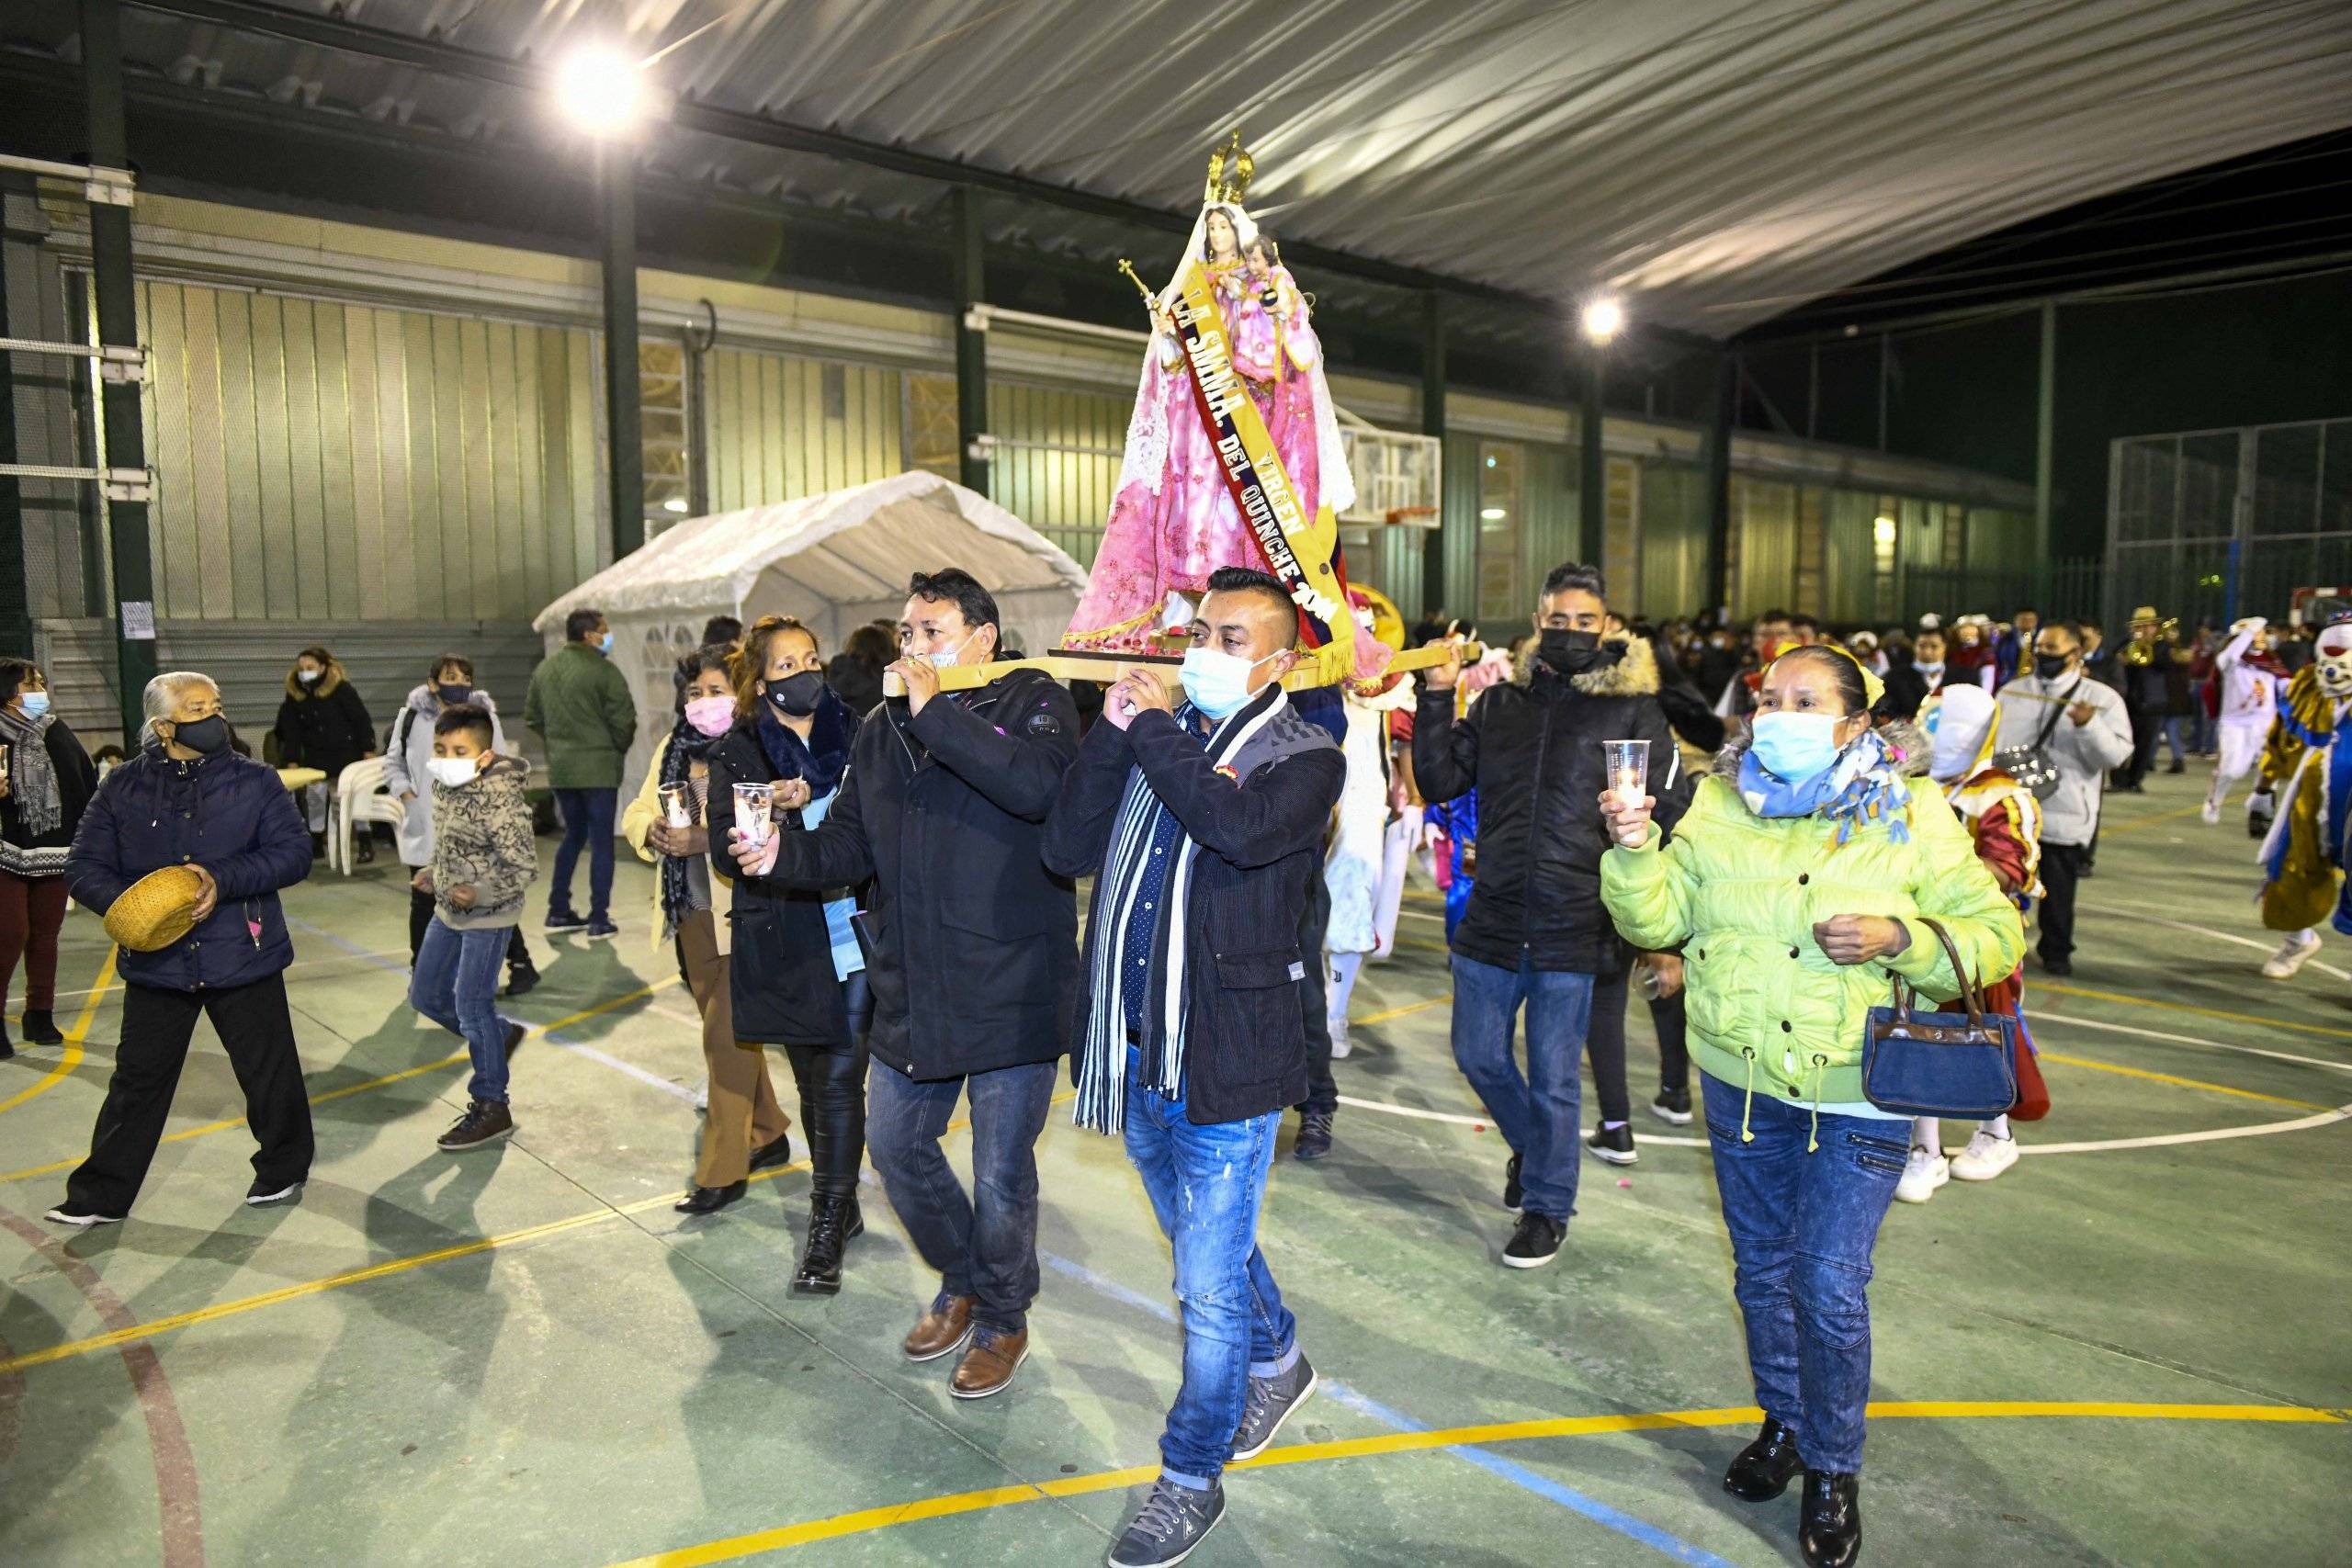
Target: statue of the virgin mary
x,y
1191,492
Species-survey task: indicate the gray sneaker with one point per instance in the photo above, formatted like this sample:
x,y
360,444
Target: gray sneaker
x,y
1173,1521
1269,1404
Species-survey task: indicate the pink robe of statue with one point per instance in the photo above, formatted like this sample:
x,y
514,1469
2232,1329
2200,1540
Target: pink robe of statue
x,y
1174,523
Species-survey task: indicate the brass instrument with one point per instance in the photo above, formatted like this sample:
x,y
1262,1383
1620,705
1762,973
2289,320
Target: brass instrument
x,y
2140,655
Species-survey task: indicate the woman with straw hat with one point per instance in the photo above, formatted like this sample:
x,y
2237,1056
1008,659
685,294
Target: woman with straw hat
x,y
183,851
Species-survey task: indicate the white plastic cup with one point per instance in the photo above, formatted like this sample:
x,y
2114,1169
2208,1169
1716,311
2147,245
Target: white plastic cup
x,y
1628,765
675,811
755,811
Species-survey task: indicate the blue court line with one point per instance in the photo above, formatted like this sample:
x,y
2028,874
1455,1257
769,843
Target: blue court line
x,y
1518,1475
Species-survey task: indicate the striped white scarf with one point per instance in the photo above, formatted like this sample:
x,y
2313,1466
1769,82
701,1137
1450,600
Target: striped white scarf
x,y
1102,1067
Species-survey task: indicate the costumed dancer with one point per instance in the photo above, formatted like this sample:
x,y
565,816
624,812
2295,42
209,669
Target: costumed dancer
x,y
2305,790
2004,821
1356,867
1175,517
2249,676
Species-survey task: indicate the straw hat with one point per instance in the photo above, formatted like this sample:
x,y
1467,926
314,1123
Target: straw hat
x,y
2146,616
156,910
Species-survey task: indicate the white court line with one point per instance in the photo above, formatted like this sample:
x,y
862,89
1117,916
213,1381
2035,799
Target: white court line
x,y
2037,1021
2145,919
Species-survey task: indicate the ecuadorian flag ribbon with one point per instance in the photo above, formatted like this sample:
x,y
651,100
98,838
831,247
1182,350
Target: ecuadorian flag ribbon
x,y
1303,552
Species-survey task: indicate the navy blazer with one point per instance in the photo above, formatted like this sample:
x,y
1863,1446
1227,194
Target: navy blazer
x,y
229,815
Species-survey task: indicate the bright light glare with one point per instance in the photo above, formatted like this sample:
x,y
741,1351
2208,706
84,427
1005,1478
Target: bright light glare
x,y
1882,530
675,503
1603,319
601,91
1492,514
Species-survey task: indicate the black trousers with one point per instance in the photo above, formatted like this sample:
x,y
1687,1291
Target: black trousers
x,y
1604,1044
832,1099
2062,866
257,1032
420,915
1322,1089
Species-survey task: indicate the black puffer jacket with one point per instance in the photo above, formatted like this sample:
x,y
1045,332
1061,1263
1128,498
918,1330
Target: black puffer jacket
x,y
1532,750
974,961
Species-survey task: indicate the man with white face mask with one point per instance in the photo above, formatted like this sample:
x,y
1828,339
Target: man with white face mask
x,y
1203,826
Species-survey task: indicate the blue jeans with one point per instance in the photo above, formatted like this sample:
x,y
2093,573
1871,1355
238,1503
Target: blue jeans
x,y
1206,1184
587,824
1535,1113
1801,1229
984,1245
456,986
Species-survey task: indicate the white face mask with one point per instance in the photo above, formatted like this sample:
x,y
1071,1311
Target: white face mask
x,y
309,677
454,771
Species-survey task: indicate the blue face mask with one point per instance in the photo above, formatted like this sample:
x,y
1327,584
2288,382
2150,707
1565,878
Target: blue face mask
x,y
1796,746
604,643
36,703
1217,682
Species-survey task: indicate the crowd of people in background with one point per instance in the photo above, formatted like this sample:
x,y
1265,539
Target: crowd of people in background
x,y
885,892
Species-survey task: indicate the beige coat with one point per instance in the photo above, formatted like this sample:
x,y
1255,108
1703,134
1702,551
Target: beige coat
x,y
636,827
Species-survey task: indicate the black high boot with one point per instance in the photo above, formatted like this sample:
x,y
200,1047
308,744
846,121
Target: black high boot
x,y
1829,1529
1763,1469
40,1028
833,1220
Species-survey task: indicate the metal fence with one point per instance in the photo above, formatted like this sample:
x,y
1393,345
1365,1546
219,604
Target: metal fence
x,y
2212,524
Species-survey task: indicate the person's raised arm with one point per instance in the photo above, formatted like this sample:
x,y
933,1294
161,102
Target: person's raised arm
x,y
1276,812
1017,765
1078,829
1446,751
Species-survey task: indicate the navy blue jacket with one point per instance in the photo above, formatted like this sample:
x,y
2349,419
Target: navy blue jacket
x,y
229,815
1260,841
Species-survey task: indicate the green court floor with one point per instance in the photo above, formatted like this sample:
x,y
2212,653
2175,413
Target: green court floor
x,y
2131,1348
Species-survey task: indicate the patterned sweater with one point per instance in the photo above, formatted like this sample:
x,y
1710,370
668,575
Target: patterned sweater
x,y
483,838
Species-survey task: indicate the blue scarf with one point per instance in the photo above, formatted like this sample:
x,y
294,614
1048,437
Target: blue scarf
x,y
821,757
1861,786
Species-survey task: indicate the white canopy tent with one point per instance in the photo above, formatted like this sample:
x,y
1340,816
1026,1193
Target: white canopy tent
x,y
834,560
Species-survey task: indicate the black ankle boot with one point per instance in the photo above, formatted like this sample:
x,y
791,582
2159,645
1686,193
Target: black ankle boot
x,y
832,1221
1829,1531
1763,1469
40,1028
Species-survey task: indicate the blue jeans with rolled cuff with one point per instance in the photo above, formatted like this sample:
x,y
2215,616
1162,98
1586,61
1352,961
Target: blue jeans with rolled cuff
x,y
1206,1184
1801,1229
1536,1111
456,986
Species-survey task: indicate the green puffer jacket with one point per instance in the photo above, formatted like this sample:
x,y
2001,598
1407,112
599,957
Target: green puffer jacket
x,y
1740,894
581,709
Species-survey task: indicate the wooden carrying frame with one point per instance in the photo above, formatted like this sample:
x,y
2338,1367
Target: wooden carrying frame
x,y
1107,668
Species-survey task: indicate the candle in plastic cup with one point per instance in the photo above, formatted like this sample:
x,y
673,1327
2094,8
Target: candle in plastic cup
x,y
754,803
1628,763
673,806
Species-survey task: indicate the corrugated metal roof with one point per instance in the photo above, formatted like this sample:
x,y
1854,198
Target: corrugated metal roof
x,y
1718,161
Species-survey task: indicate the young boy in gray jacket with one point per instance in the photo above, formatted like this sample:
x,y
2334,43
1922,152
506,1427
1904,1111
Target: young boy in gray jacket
x,y
484,859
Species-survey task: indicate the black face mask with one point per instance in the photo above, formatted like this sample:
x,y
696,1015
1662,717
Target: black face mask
x,y
2050,666
797,694
1570,653
452,695
208,737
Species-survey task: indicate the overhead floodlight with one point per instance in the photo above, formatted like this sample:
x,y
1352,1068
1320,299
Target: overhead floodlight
x,y
601,91
1603,318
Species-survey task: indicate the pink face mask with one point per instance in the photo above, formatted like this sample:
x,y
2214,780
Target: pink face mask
x,y
713,716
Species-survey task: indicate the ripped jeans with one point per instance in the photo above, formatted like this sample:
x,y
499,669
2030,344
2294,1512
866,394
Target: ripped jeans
x,y
1206,1184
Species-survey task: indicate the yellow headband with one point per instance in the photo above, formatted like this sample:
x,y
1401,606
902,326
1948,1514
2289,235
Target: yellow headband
x,y
1872,687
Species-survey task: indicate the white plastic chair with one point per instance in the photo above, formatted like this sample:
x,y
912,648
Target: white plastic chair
x,y
360,795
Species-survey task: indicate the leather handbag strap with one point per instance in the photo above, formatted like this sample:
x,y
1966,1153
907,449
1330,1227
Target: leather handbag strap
x,y
1970,995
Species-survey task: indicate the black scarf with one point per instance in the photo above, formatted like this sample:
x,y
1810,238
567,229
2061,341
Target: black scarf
x,y
821,757
687,746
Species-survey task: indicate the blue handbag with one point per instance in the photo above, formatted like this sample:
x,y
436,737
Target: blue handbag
x,y
1917,1063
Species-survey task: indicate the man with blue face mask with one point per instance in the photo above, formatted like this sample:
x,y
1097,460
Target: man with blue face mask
x,y
1202,825
970,951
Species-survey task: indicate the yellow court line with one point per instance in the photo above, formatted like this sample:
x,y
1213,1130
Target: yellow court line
x,y
2181,1082
72,1056
2037,984
378,1270
404,1074
1399,1013
865,1520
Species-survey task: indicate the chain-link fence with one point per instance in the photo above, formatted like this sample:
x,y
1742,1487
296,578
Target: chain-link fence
x,y
2208,525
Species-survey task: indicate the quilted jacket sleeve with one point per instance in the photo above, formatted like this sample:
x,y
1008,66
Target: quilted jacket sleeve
x,y
1953,887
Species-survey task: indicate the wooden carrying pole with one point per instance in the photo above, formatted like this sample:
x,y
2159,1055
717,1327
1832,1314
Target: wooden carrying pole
x,y
1107,668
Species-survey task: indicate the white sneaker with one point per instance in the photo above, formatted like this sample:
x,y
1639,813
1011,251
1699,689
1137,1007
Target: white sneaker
x,y
1340,1043
1922,1174
1985,1158
2292,955
2212,813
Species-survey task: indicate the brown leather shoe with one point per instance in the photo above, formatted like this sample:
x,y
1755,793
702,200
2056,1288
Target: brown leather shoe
x,y
988,1366
941,1329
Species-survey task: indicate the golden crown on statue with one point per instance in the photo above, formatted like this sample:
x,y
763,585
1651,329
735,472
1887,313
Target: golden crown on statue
x,y
1230,167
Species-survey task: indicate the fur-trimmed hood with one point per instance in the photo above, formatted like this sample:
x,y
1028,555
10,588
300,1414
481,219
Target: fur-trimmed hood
x,y
333,678
1909,741
1634,673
